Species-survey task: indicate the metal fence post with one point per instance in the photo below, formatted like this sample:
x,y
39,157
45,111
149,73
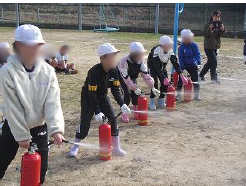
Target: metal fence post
x,y
80,16
157,18
2,13
38,15
245,20
124,15
205,13
17,14
236,19
149,19
58,12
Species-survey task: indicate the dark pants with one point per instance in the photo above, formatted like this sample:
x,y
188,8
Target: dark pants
x,y
163,88
9,148
211,64
193,72
129,95
87,112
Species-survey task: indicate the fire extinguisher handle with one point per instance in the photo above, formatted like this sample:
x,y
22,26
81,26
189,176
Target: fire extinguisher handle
x,y
51,142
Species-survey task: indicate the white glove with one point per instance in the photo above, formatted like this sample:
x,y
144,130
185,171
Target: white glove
x,y
99,117
125,109
137,92
199,67
245,59
155,91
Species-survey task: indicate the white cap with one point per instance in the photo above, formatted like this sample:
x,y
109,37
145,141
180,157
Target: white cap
x,y
137,47
29,34
4,45
165,40
186,33
106,48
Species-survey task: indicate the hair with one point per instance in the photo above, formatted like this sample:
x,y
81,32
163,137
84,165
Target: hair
x,y
216,13
14,47
65,47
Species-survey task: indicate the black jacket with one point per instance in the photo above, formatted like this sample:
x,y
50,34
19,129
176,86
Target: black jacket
x,y
97,83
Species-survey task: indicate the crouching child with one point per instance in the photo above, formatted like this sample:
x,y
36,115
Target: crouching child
x,y
31,100
190,60
130,67
94,98
157,61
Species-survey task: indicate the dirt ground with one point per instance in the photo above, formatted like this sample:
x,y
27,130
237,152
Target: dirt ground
x,y
201,143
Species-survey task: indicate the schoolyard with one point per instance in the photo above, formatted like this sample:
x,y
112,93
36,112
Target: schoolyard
x,y
201,143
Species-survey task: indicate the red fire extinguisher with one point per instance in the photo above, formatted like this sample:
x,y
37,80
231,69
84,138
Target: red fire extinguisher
x,y
175,79
31,167
105,141
143,106
188,91
171,98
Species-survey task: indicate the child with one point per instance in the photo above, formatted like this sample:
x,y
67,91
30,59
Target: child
x,y
49,55
31,99
129,68
4,53
94,98
157,62
62,59
189,59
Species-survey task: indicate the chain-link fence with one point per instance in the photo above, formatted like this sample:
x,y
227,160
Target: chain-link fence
x,y
129,17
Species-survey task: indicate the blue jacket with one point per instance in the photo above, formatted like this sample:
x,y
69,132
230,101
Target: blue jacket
x,y
189,56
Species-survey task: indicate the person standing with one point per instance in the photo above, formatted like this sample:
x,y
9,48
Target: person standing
x,y
212,33
31,97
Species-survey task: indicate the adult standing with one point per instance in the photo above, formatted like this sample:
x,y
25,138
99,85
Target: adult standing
x,y
212,33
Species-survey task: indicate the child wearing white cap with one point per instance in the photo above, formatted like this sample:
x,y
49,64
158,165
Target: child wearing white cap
x,y
130,67
189,59
157,62
31,100
94,98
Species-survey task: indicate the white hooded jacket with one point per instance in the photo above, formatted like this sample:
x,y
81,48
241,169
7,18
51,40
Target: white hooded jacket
x,y
31,99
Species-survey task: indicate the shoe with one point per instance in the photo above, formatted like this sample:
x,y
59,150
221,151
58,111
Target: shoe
x,y
74,71
125,118
201,78
73,153
197,98
135,108
215,81
161,103
152,104
117,151
67,71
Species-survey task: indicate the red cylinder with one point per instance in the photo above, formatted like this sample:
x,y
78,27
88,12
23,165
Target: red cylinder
x,y
175,79
142,106
188,91
30,169
105,142
171,98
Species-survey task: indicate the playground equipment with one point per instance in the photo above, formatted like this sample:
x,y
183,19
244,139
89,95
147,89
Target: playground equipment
x,y
103,25
179,7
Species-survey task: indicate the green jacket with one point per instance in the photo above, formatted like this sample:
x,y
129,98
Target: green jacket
x,y
212,37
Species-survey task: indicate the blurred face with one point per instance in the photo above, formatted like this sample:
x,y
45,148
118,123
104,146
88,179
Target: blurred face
x,y
109,61
28,53
216,18
167,48
137,57
64,51
187,40
5,53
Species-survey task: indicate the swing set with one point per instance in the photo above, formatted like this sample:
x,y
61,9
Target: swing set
x,y
103,25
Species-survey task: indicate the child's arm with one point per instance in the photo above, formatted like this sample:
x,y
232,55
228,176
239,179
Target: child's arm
x,y
181,57
15,113
197,54
146,77
52,108
123,68
115,89
175,63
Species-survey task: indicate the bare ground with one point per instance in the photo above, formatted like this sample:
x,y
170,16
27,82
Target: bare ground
x,y
199,144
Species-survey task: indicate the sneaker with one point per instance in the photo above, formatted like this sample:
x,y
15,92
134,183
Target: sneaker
x,y
67,71
197,98
74,71
215,81
201,78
